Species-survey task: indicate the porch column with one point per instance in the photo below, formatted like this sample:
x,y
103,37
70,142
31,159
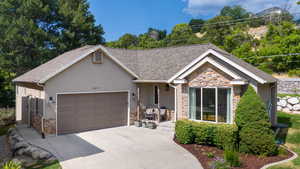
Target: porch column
x,y
158,105
138,103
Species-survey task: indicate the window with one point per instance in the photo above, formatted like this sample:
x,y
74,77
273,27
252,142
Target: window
x,y
97,58
156,95
210,104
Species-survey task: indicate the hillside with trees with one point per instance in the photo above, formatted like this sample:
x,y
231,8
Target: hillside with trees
x,y
232,30
33,32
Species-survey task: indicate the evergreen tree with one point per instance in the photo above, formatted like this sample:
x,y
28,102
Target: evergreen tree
x,y
34,31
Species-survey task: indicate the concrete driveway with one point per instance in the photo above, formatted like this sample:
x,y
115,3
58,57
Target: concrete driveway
x,y
116,148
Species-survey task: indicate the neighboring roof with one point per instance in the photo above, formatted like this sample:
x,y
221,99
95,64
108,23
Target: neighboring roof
x,y
158,64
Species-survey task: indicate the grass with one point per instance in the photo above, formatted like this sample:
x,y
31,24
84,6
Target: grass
x,y
291,138
292,95
42,165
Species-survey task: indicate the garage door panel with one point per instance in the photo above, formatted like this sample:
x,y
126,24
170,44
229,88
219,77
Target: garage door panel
x,y
82,112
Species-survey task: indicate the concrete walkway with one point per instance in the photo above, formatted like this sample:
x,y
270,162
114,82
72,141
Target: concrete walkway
x,y
120,148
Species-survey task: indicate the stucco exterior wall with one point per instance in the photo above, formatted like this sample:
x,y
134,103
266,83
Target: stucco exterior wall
x,y
268,93
85,76
25,91
166,95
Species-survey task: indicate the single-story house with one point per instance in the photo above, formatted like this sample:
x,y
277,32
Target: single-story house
x,y
96,87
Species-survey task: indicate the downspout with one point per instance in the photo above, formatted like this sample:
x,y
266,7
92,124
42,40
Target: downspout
x,y
44,109
273,86
175,100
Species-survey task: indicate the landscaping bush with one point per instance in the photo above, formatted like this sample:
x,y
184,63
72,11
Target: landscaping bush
x,y
250,109
7,116
258,139
203,133
255,133
183,132
218,135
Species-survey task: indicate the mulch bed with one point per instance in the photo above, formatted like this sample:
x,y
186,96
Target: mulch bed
x,y
248,161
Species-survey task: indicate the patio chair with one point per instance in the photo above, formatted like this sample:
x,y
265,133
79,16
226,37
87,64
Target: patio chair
x,y
163,114
149,114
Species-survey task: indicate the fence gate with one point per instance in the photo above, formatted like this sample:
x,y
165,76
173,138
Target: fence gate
x,y
25,110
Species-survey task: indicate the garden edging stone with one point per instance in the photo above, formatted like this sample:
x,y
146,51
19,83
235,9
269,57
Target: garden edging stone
x,y
295,155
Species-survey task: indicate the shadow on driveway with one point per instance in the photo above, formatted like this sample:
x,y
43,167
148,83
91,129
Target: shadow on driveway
x,y
65,147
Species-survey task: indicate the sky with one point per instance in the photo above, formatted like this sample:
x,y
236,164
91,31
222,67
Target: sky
x,y
135,16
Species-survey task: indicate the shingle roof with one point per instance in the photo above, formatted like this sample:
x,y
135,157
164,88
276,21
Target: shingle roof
x,y
52,66
149,64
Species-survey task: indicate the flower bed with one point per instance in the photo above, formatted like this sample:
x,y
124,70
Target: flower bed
x,y
207,155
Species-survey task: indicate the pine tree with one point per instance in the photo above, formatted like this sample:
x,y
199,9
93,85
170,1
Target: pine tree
x,y
34,31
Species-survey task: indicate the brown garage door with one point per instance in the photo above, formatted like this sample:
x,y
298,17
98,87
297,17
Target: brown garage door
x,y
82,112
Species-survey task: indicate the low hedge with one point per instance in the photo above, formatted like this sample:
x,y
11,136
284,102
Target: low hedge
x,y
220,135
184,132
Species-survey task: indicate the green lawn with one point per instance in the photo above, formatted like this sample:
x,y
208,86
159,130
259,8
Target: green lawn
x,y
43,165
291,138
292,95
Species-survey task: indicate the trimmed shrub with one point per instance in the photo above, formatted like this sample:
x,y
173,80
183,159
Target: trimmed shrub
x,y
257,139
183,132
226,135
219,135
250,109
255,134
204,133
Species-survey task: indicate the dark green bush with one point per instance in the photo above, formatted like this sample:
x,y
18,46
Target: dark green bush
x,y
183,132
255,133
218,135
203,133
258,139
250,109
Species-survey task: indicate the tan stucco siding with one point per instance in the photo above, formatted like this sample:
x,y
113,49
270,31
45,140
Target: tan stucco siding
x,y
268,93
85,76
22,91
166,95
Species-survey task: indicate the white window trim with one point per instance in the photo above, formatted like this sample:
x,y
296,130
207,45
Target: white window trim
x,y
216,88
217,54
214,63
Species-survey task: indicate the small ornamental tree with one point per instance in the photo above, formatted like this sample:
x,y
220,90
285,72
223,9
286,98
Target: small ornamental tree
x,y
255,133
251,109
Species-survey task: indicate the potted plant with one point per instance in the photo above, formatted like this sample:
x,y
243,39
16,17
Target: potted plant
x,y
144,124
138,123
151,125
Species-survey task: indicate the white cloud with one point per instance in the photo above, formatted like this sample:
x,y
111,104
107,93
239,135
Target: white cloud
x,y
212,7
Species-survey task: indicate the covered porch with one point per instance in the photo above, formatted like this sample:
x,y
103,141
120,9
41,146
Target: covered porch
x,y
155,101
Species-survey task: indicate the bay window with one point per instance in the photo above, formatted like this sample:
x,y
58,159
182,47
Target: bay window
x,y
210,104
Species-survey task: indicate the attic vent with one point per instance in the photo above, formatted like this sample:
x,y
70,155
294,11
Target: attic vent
x,y
97,58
